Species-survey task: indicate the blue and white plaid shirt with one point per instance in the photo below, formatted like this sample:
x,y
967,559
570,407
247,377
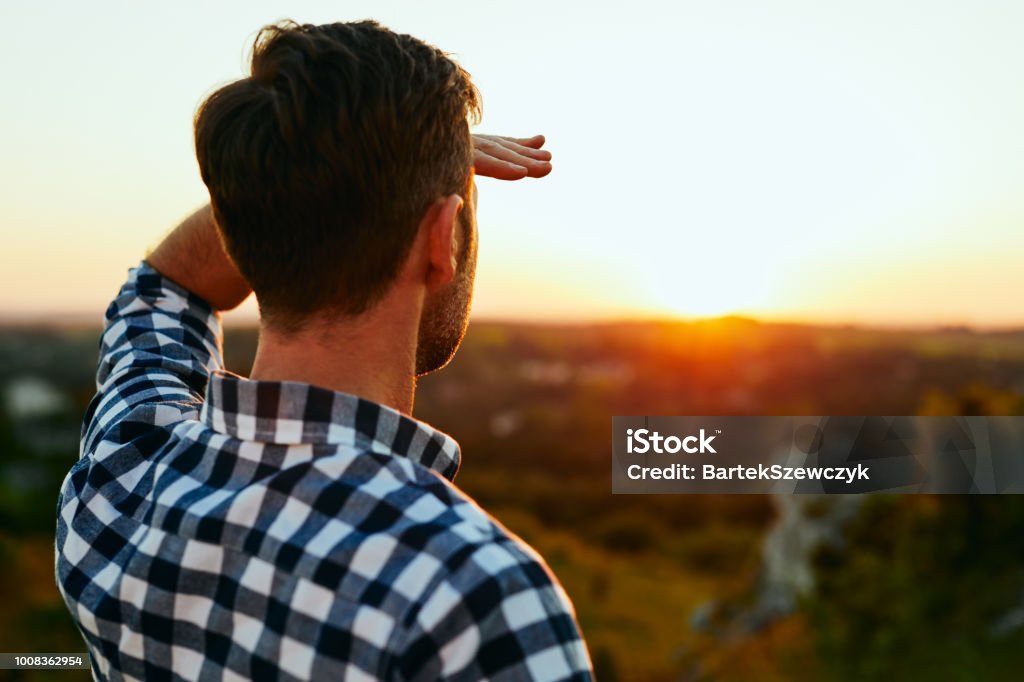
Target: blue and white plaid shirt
x,y
277,530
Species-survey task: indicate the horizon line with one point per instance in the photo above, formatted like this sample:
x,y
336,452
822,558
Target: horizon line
x,y
81,319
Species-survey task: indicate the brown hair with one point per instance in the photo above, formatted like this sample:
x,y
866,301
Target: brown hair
x,y
321,164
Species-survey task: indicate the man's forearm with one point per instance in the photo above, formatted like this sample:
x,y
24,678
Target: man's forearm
x,y
192,256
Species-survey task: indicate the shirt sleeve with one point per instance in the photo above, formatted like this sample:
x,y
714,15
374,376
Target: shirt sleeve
x,y
159,345
502,616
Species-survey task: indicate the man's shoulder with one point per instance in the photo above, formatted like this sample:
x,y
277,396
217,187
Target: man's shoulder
x,y
401,523
490,608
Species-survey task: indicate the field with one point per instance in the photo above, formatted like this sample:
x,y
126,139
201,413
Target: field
x,y
667,587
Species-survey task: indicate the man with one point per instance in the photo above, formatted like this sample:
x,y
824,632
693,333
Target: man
x,y
300,524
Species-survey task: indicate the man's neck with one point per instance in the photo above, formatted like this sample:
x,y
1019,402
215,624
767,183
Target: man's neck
x,y
372,356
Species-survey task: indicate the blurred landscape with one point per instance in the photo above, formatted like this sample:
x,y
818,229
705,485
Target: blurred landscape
x,y
666,587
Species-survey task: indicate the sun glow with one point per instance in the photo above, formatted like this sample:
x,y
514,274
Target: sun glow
x,y
708,288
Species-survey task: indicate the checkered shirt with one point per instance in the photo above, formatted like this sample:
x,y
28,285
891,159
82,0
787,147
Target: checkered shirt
x,y
221,528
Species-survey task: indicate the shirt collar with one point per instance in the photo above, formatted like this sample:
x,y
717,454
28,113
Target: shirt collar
x,y
290,413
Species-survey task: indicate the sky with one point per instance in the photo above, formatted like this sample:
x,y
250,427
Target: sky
x,y
842,162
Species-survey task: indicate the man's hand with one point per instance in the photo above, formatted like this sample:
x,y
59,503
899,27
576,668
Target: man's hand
x,y
192,256
510,158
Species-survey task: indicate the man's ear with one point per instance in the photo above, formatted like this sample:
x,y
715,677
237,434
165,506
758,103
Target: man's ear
x,y
441,225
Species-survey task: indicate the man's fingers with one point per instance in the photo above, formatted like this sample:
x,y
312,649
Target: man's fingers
x,y
491,167
541,154
509,158
537,167
527,146
536,142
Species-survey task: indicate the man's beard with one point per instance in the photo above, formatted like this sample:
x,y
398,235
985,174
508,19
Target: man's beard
x,y
446,313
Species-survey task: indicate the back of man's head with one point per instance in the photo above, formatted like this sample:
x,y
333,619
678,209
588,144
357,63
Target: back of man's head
x,y
321,164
